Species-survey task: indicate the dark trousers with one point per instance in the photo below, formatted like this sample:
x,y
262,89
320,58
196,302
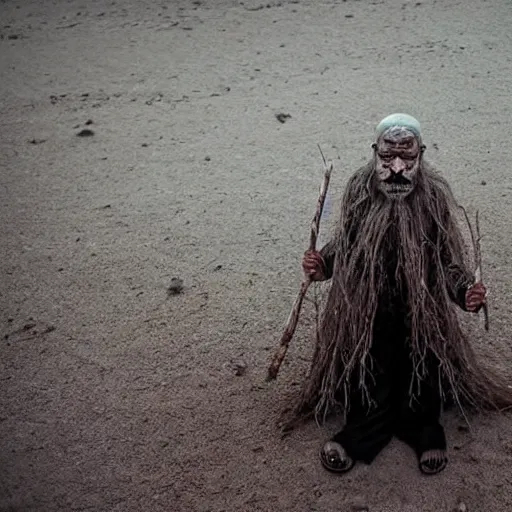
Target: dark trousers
x,y
369,428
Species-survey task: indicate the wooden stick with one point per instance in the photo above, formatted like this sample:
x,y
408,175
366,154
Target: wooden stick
x,y
293,318
478,270
477,252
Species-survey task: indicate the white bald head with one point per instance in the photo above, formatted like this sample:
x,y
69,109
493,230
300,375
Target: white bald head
x,y
399,121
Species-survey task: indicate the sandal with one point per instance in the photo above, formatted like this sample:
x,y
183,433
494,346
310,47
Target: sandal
x,y
334,458
433,461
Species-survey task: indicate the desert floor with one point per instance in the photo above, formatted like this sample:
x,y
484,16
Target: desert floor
x,y
118,396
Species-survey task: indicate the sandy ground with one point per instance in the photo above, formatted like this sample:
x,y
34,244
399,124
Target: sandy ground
x,y
118,397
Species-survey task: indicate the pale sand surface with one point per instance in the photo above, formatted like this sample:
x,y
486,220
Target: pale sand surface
x,y
115,397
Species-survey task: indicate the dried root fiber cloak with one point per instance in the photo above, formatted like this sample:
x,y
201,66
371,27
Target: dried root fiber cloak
x,y
417,239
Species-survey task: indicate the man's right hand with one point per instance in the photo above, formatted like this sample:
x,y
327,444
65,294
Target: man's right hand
x,y
313,265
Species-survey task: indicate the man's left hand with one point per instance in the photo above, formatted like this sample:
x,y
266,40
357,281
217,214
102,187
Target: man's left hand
x,y
475,297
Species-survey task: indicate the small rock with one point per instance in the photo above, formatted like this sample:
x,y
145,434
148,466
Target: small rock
x,y
463,428
358,504
85,133
37,141
239,368
158,97
207,158
88,122
483,182
461,507
283,117
13,36
176,286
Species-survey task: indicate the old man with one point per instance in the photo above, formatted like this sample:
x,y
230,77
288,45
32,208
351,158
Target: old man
x,y
391,350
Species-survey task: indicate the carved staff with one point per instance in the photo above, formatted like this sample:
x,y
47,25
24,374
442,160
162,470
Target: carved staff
x,y
293,318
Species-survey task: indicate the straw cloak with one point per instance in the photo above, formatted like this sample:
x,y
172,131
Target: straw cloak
x,y
398,272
